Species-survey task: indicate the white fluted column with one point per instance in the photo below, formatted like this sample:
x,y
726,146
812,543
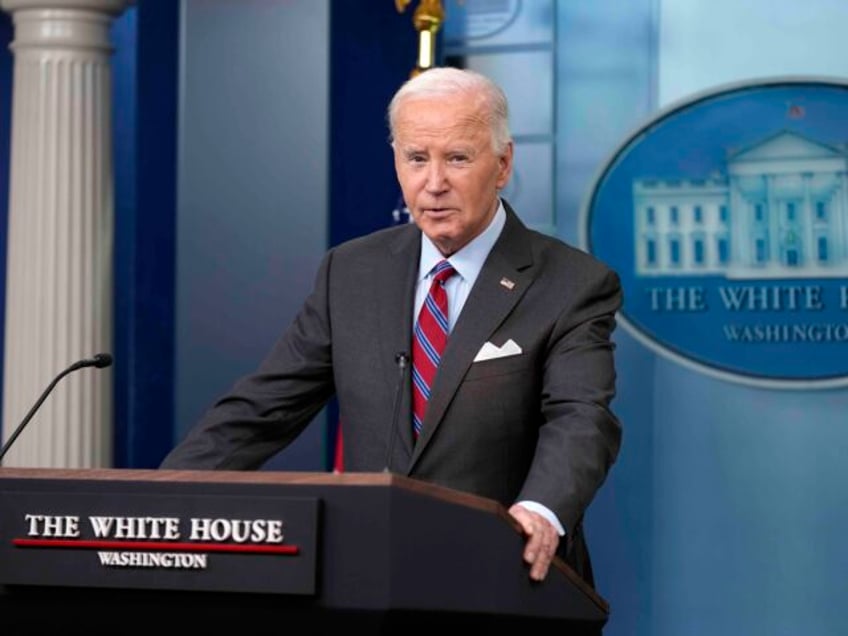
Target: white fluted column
x,y
60,233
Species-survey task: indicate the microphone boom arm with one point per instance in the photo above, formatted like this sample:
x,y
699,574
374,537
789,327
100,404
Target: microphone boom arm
x,y
100,360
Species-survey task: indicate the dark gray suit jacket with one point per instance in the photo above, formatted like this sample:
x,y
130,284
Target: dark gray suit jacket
x,y
534,426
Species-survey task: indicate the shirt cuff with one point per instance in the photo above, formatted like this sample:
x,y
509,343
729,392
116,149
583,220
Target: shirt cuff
x,y
546,513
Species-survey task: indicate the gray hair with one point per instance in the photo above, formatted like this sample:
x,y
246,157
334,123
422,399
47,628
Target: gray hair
x,y
446,80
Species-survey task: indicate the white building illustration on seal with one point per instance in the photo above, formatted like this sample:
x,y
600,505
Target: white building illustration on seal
x,y
779,211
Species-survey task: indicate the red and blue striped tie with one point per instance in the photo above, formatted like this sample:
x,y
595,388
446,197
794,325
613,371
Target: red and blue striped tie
x,y
428,342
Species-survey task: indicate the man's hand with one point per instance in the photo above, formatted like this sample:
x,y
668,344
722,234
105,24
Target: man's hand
x,y
542,540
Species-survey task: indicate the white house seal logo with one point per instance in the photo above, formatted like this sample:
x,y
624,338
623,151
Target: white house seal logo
x,y
727,218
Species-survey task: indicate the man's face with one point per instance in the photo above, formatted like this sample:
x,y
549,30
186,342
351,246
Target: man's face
x,y
447,169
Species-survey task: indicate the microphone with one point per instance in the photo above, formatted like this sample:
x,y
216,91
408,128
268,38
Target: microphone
x,y
99,361
402,361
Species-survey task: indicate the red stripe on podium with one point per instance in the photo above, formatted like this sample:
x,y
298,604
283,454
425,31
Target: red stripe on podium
x,y
156,545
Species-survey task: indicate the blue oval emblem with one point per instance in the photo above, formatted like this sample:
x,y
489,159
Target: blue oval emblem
x,y
727,218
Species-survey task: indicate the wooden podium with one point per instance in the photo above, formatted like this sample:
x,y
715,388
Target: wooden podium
x,y
144,551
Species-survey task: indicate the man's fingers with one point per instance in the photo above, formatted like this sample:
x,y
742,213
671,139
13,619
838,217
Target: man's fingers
x,y
542,541
540,553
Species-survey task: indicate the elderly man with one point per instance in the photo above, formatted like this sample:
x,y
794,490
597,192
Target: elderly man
x,y
506,334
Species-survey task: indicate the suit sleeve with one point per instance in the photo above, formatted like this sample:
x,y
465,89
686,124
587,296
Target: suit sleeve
x,y
579,437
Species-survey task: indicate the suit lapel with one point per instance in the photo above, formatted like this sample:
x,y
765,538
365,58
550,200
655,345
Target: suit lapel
x,y
394,285
502,282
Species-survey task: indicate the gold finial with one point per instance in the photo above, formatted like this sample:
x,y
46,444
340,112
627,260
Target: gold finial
x,y
427,19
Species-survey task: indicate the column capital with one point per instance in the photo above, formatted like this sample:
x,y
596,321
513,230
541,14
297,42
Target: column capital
x,y
77,25
114,7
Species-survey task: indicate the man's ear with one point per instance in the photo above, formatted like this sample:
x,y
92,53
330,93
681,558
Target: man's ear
x,y
505,166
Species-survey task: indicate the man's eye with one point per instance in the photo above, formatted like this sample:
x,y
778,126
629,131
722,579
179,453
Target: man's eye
x,y
459,159
417,159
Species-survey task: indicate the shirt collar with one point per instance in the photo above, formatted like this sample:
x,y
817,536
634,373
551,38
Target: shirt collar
x,y
469,260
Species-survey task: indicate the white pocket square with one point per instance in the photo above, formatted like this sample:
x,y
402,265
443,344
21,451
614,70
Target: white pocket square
x,y
489,351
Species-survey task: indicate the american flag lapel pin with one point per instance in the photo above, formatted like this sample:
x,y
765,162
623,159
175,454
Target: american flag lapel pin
x,y
507,283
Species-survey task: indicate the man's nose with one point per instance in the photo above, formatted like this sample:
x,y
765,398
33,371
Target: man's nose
x,y
436,177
